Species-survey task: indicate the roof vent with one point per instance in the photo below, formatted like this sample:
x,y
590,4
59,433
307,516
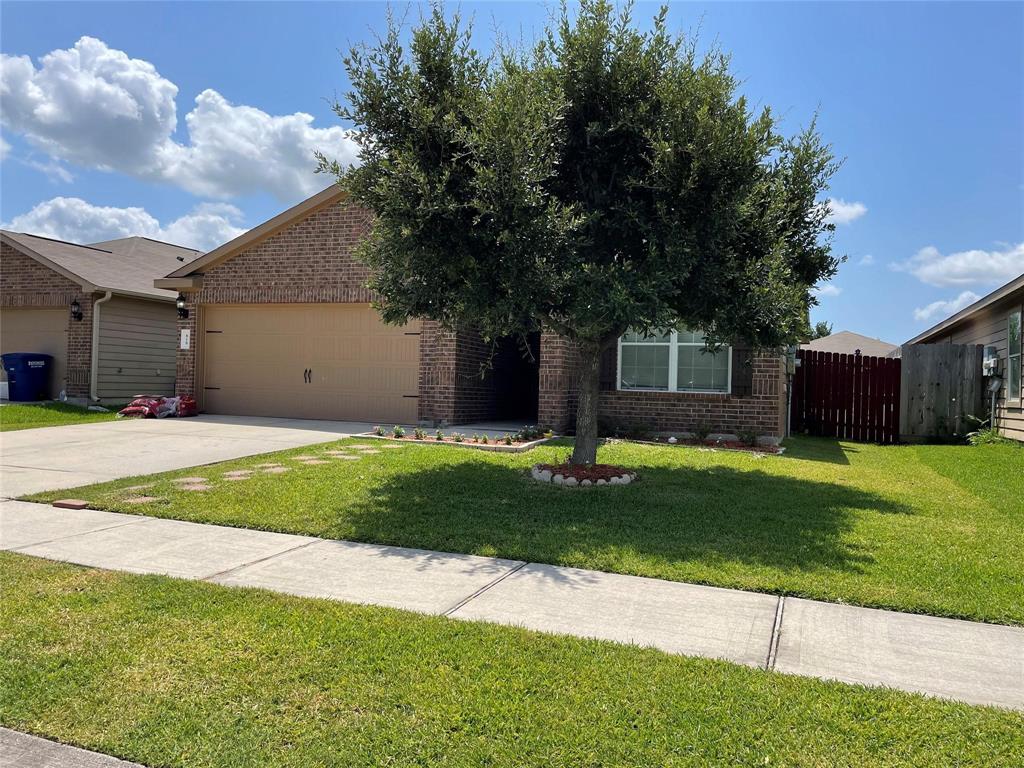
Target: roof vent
x,y
180,258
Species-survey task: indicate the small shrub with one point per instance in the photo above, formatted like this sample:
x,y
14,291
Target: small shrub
x,y
507,440
398,432
476,438
458,437
419,434
748,437
439,435
378,431
548,433
701,432
483,438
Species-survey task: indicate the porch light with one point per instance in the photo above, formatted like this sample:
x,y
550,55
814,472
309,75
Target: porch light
x,y
76,310
180,304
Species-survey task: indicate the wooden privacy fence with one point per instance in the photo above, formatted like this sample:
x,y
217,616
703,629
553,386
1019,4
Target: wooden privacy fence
x,y
942,385
853,397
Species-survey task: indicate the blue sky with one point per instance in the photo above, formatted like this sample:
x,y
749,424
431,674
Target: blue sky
x,y
185,121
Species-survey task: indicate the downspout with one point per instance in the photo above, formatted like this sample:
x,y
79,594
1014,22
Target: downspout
x,y
94,367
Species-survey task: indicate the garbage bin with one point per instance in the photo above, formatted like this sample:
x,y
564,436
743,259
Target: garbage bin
x,y
28,375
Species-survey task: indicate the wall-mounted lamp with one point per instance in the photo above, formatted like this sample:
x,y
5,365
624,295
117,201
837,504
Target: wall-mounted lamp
x,y
76,310
180,303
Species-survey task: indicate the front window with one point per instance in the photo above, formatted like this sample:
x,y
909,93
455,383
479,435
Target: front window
x,y
1013,373
672,361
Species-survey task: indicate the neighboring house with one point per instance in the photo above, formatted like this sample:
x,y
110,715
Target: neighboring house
x,y
850,343
994,320
120,339
280,324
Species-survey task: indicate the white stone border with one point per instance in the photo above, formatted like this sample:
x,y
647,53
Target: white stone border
x,y
496,447
547,476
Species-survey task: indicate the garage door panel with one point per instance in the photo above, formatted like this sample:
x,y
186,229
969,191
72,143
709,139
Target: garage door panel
x,y
362,369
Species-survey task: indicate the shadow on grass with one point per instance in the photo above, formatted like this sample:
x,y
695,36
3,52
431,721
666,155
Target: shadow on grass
x,y
670,520
827,449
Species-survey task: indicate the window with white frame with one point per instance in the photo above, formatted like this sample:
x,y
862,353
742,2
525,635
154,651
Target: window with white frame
x,y
1013,346
673,361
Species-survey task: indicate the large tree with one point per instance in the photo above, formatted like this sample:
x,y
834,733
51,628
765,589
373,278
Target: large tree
x,y
604,179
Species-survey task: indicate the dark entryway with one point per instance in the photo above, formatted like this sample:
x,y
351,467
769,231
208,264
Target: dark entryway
x,y
517,378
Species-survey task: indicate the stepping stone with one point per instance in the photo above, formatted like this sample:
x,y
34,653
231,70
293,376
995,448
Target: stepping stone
x,y
391,445
71,504
239,477
141,499
268,466
238,473
196,487
276,469
316,461
338,453
189,480
303,458
359,446
370,450
346,457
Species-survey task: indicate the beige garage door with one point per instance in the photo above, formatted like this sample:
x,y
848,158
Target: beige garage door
x,y
38,330
310,361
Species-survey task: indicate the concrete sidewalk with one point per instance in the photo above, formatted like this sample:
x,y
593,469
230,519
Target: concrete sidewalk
x,y
19,750
968,661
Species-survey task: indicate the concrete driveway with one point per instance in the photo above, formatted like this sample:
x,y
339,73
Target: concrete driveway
x,y
34,460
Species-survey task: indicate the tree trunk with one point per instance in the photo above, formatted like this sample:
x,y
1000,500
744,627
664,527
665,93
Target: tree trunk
x,y
585,449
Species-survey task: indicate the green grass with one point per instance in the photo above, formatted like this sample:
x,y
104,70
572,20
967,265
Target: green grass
x,y
931,529
33,415
176,673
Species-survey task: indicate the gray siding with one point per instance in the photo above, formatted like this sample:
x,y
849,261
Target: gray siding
x,y
989,326
138,343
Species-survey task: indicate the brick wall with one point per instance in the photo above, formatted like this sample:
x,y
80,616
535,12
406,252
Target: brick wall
x,y
26,283
762,411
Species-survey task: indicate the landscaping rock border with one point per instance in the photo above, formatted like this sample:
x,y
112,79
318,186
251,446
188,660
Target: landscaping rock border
x,y
543,475
495,447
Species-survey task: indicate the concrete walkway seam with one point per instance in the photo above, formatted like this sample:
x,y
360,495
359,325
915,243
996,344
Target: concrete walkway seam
x,y
483,589
773,645
76,535
258,560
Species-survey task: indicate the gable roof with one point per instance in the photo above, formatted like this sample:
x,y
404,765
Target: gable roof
x,y
1017,284
269,228
126,266
848,342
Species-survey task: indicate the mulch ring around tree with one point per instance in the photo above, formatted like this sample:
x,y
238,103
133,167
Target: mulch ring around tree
x,y
582,475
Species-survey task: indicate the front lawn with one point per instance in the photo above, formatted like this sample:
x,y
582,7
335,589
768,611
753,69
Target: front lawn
x,y
32,415
175,673
932,529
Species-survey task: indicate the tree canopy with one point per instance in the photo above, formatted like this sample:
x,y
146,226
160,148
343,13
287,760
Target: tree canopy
x,y
605,178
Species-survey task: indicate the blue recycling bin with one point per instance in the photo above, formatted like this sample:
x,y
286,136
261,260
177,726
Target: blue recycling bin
x,y
28,375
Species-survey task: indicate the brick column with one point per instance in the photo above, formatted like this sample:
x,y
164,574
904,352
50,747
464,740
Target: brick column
x,y
80,348
438,360
554,407
185,367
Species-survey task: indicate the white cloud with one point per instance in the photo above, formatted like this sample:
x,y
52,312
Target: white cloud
x,y
964,268
73,219
94,106
52,169
828,289
941,309
5,149
842,212
866,260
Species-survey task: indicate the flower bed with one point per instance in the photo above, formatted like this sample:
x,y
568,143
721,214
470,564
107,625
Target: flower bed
x,y
582,475
517,442
729,445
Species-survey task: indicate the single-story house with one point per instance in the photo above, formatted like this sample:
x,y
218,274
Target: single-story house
x,y
850,343
280,323
94,308
994,321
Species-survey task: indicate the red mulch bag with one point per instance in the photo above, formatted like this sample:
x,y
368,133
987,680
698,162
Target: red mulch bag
x,y
142,408
187,406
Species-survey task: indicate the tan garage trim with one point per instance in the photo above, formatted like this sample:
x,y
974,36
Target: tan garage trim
x,y
38,330
316,361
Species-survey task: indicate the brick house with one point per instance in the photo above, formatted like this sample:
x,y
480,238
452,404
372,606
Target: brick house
x,y
94,309
280,323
